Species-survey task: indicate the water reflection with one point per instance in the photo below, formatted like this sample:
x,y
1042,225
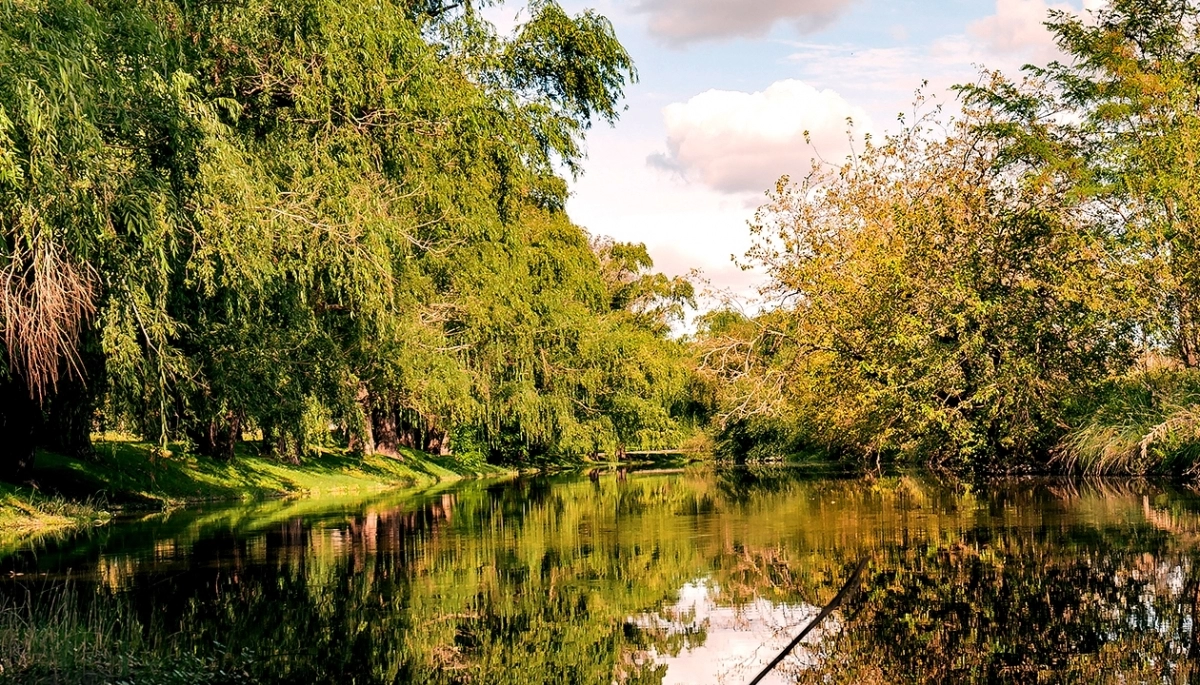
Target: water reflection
x,y
655,578
727,644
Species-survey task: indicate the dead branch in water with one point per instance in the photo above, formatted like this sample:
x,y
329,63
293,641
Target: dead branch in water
x,y
847,590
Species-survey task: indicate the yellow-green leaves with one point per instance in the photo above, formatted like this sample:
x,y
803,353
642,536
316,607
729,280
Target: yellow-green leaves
x,y
928,302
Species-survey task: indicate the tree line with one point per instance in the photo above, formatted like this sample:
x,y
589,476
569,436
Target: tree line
x,y
1012,286
319,222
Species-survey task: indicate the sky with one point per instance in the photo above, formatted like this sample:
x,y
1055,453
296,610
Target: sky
x,y
727,89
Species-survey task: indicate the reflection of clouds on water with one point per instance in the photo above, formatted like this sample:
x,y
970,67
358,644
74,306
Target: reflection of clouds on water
x,y
738,641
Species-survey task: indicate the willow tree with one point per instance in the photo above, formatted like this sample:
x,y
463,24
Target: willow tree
x,y
640,390
557,364
377,174
98,143
276,216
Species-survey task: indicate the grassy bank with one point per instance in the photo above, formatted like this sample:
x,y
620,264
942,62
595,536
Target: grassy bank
x,y
67,493
26,513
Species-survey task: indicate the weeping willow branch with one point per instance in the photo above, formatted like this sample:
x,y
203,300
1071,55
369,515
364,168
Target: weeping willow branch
x,y
45,301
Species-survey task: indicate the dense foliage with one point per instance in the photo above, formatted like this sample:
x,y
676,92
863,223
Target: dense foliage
x,y
973,292
936,299
266,217
312,223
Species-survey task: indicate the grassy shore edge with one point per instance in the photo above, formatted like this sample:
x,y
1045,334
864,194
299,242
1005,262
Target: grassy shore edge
x,y
64,494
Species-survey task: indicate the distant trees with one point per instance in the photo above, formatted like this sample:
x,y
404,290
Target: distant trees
x,y
280,216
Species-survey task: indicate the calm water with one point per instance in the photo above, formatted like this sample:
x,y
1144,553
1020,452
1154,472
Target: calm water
x,y
693,577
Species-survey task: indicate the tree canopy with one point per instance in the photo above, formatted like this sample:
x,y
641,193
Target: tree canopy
x,y
277,217
317,224
974,289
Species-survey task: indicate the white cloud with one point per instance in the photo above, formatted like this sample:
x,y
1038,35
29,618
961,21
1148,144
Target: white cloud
x,y
723,143
887,75
738,142
683,225
882,80
679,22
1018,29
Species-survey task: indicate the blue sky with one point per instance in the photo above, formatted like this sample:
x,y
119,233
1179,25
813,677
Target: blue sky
x,y
727,88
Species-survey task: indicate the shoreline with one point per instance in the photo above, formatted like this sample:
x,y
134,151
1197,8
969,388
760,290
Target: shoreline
x,y
66,494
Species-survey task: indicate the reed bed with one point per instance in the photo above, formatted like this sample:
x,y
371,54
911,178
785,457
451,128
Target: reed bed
x,y
1145,423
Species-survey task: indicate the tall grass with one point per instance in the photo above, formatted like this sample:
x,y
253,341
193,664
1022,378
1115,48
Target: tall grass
x,y
1145,423
24,510
63,638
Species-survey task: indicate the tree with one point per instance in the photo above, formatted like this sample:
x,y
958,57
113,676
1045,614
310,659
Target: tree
x,y
286,215
96,147
936,297
1119,114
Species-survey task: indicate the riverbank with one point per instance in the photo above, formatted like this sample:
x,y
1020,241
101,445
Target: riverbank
x,y
66,493
26,513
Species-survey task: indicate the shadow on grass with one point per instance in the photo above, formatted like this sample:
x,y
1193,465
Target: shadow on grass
x,y
126,473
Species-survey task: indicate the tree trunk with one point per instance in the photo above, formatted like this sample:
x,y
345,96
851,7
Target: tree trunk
x,y
361,438
218,437
393,429
436,442
410,436
385,433
1188,341
410,427
70,414
270,440
20,417
278,444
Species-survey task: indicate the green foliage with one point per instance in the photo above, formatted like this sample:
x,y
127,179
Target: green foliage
x,y
1147,421
129,473
958,292
276,217
1118,118
935,300
27,514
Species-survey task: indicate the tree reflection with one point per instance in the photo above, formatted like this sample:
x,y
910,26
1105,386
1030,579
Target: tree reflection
x,y
576,580
1017,610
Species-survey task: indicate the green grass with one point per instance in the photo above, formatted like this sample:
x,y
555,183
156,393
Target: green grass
x,y
66,493
58,642
1145,423
27,513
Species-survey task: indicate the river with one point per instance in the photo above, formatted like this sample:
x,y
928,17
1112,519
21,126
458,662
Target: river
x,y
697,576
